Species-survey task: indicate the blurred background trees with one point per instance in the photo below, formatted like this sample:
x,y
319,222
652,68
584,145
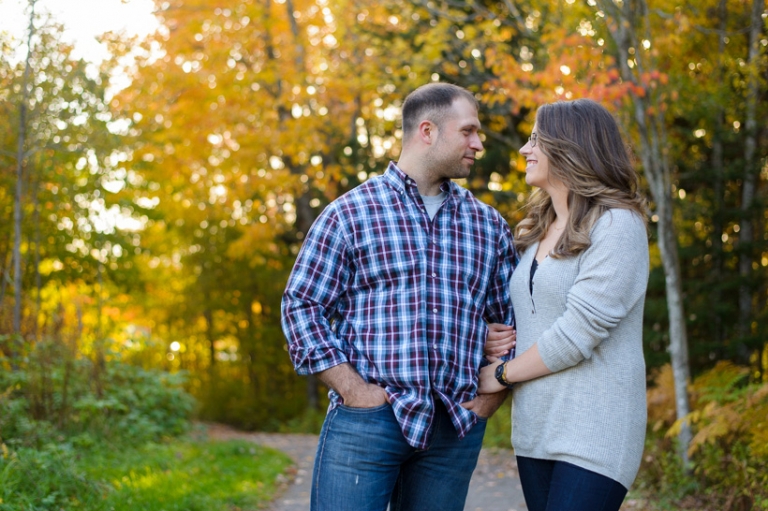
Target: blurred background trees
x,y
159,222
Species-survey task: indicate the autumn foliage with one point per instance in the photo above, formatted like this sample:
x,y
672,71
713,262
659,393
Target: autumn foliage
x,y
730,448
160,220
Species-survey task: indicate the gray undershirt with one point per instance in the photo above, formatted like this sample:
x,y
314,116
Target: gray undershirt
x,y
433,203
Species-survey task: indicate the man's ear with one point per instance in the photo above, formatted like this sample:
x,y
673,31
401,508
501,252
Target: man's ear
x,y
427,132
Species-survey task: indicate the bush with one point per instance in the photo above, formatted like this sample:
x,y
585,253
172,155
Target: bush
x,y
52,395
45,479
729,450
136,405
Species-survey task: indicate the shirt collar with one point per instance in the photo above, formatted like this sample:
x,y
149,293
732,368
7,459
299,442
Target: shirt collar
x,y
401,182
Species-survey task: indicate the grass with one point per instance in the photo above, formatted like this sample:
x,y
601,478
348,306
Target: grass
x,y
181,475
498,432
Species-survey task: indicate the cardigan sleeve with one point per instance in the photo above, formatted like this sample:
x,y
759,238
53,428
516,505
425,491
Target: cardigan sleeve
x,y
612,278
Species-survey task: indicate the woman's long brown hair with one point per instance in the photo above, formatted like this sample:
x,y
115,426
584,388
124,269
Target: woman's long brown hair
x,y
586,152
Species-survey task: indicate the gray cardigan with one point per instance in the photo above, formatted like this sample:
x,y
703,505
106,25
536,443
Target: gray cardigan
x,y
586,313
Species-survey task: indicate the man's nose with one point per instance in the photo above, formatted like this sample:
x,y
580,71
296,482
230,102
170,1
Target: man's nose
x,y
477,144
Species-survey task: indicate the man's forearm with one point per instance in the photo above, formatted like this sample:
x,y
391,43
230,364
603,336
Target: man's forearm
x,y
354,391
494,401
342,378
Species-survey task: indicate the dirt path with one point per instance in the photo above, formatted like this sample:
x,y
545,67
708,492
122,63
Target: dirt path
x,y
495,485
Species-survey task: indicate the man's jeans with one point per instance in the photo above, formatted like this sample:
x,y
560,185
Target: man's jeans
x,y
364,463
560,486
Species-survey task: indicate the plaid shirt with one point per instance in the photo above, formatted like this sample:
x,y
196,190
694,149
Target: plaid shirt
x,y
402,298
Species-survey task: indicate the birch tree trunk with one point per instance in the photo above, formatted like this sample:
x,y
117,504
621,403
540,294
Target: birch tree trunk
x,y
625,23
18,214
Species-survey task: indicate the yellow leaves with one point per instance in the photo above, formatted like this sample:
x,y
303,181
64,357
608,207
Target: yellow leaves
x,y
724,408
661,398
256,244
715,422
717,383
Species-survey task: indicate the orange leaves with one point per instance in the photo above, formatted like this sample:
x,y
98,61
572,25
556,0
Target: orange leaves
x,y
651,80
573,66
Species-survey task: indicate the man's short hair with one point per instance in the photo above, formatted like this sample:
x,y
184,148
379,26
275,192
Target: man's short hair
x,y
431,101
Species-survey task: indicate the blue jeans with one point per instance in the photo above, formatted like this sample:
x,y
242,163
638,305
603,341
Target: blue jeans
x,y
363,463
560,486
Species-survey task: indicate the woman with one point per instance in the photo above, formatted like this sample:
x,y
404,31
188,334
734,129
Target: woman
x,y
578,380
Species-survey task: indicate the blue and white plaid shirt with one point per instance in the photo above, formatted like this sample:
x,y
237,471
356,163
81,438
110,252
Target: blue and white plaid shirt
x,y
403,299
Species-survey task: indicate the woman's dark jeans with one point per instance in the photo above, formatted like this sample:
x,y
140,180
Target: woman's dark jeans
x,y
560,486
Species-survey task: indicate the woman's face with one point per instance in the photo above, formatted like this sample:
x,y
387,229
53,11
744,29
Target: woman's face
x,y
536,162
537,165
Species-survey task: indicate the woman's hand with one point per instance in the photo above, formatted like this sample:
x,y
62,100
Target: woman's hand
x,y
487,383
500,340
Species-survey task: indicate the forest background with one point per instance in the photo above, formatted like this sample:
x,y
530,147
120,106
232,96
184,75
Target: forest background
x,y
153,225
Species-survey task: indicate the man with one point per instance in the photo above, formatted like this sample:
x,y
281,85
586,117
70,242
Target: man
x,y
388,304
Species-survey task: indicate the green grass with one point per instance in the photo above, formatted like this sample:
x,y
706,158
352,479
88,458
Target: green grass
x,y
182,475
499,429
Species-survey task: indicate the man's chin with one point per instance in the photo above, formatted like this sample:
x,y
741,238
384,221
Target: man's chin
x,y
461,173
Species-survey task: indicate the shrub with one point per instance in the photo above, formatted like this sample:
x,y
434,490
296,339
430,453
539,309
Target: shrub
x,y
45,479
52,395
729,450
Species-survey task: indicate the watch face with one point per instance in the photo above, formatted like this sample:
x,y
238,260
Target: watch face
x,y
500,369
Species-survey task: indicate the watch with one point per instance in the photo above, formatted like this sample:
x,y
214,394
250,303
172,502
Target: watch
x,y
500,377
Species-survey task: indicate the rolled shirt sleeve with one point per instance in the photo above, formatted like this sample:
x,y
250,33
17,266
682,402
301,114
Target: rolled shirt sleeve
x,y
319,277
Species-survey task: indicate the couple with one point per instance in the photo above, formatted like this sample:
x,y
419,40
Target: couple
x,y
404,290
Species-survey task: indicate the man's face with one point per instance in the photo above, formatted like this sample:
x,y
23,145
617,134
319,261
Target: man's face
x,y
453,153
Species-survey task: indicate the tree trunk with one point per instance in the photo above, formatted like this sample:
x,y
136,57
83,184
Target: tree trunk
x,y
624,24
208,314
304,213
17,200
7,261
100,364
38,277
718,191
749,182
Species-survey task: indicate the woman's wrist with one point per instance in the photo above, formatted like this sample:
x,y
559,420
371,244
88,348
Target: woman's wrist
x,y
501,375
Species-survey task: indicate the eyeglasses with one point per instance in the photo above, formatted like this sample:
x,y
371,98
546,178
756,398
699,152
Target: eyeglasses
x,y
532,139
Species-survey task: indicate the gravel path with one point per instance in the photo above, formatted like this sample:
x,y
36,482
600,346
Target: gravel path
x,y
495,485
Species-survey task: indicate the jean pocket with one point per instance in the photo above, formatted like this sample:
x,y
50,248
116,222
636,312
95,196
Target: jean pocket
x,y
375,409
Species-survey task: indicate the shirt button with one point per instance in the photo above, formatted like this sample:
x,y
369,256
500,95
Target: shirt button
x,y
434,274
434,346
434,310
